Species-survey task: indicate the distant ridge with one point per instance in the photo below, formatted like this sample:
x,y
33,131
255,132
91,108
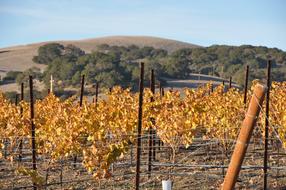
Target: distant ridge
x,y
141,41
19,58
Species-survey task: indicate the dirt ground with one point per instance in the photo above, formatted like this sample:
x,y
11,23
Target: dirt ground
x,y
202,166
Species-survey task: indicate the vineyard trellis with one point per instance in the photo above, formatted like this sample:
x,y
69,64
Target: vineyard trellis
x,y
101,135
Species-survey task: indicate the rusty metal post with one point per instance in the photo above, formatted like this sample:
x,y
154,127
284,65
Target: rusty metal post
x,y
160,91
16,99
150,141
244,137
81,91
22,91
96,93
32,114
230,82
152,132
246,84
21,113
80,104
139,127
223,89
266,129
152,87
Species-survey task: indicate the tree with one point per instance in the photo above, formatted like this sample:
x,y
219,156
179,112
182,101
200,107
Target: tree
x,y
177,65
109,79
72,52
76,78
90,72
155,65
103,47
12,75
24,77
61,69
114,65
47,53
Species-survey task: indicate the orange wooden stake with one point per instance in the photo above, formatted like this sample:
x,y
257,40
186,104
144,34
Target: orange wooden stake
x,y
244,137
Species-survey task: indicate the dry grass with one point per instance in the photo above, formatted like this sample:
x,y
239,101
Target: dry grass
x,y
19,58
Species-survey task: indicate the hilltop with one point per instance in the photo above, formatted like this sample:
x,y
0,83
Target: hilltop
x,y
19,58
114,61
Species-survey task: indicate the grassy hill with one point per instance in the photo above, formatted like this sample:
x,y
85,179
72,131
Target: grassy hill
x,y
19,58
116,62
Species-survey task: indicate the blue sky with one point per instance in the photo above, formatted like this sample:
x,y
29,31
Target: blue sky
x,y
202,22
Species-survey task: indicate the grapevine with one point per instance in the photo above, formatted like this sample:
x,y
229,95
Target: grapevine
x,y
101,133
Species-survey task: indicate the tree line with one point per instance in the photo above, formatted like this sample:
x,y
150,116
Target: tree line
x,y
119,65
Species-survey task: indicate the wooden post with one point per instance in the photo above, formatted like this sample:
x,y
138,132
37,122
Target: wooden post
x,y
266,129
52,84
138,148
246,84
244,137
32,114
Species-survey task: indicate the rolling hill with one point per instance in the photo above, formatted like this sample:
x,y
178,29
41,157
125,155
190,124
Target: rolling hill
x,y
19,58
217,60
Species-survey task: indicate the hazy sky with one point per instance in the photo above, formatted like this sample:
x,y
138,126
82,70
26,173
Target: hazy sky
x,y
202,22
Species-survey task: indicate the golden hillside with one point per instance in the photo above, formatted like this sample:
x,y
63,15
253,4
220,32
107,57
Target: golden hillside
x,y
19,58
